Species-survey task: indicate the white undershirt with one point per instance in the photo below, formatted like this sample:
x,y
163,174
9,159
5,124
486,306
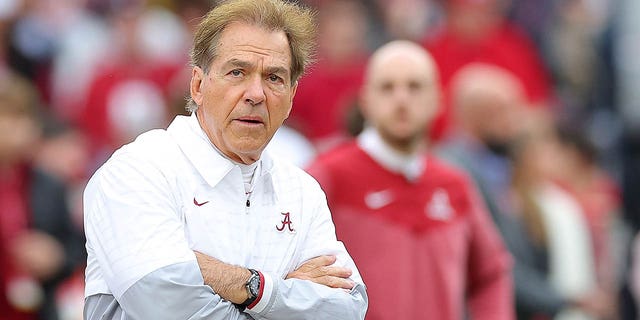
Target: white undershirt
x,y
248,174
248,171
411,166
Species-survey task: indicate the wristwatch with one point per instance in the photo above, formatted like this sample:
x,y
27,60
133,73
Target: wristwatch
x,y
253,289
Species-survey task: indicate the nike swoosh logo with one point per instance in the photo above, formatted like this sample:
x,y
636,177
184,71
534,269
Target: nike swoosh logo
x,y
379,199
199,204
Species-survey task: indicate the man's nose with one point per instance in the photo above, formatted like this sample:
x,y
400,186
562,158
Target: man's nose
x,y
401,94
254,93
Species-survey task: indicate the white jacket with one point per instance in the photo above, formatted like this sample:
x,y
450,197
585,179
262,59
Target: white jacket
x,y
169,193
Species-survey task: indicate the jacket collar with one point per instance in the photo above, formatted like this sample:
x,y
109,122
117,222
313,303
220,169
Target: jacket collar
x,y
208,161
410,166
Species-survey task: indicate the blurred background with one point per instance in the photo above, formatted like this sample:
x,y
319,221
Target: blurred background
x,y
79,78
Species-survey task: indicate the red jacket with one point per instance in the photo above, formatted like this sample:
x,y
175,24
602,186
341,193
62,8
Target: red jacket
x,y
426,249
507,47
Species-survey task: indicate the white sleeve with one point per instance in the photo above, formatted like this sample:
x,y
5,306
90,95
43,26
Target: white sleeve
x,y
134,228
163,285
302,299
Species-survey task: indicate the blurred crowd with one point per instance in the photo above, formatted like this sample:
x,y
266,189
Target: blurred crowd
x,y
540,105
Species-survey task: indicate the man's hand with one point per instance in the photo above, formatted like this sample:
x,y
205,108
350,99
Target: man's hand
x,y
321,270
226,280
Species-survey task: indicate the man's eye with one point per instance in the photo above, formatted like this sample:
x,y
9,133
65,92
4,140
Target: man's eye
x,y
236,73
415,86
274,78
386,87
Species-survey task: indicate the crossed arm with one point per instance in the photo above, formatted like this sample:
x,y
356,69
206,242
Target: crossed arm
x,y
140,263
228,280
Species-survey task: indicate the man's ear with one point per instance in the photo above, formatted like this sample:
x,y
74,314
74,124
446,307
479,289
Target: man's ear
x,y
435,103
294,89
363,101
195,86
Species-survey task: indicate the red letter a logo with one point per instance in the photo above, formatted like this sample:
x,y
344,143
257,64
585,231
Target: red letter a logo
x,y
286,221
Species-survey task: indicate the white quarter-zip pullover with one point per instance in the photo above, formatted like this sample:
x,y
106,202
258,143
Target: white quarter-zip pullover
x,y
169,193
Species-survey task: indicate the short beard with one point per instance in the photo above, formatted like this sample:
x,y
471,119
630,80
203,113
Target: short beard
x,y
498,147
405,145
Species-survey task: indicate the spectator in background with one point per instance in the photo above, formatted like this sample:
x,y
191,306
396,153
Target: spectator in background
x,y
39,245
575,39
330,89
573,46
489,102
133,90
599,197
8,10
627,66
489,105
555,223
404,213
63,152
409,19
478,31
634,275
83,44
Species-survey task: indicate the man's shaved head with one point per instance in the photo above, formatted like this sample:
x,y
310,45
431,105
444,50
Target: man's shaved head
x,y
401,49
400,94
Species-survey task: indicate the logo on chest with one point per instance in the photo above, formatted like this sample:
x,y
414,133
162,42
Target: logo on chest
x,y
439,207
378,199
199,204
286,223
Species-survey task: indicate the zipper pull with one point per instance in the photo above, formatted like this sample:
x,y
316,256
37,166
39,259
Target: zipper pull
x,y
248,204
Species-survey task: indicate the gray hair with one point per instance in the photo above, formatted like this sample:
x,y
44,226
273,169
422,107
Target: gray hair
x,y
297,22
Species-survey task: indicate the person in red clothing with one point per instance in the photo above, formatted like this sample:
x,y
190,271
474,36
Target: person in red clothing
x,y
425,245
477,31
131,89
325,96
39,245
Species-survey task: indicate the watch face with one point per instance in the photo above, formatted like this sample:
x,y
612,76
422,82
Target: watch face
x,y
254,285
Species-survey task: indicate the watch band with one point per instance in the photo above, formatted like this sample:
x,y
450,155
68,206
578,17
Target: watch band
x,y
253,289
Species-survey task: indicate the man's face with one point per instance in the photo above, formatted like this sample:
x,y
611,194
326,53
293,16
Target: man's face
x,y
18,134
400,95
247,93
499,117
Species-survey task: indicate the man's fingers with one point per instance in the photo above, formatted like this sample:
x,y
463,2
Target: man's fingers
x,y
321,270
339,272
335,282
319,261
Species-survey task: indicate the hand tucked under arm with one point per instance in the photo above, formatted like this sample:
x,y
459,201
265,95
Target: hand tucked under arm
x,y
226,280
328,292
321,270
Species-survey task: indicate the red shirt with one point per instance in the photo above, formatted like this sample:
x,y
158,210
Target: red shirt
x,y
120,88
14,219
506,46
425,249
323,99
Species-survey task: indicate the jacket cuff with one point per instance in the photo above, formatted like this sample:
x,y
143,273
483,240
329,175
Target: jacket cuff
x,y
264,296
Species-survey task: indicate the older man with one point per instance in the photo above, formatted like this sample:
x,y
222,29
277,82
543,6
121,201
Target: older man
x,y
419,232
196,222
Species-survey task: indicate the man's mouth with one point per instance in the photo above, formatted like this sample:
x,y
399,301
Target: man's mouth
x,y
250,120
